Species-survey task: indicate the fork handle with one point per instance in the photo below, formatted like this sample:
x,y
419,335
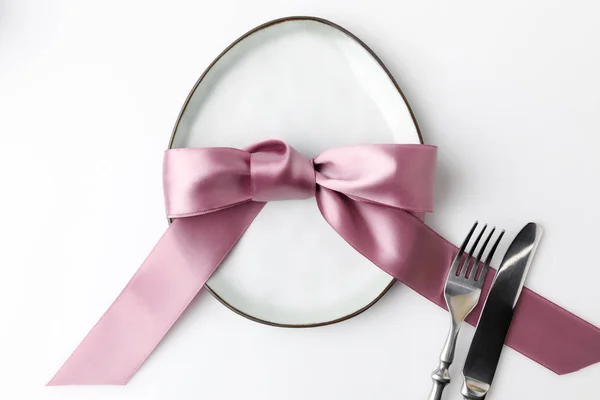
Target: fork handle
x,y
441,378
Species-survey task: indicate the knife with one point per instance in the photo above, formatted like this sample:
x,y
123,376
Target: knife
x,y
484,352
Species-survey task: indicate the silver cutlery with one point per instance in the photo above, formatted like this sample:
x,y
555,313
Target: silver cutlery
x,y
462,291
494,322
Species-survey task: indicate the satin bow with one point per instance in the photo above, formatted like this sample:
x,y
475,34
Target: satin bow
x,y
374,196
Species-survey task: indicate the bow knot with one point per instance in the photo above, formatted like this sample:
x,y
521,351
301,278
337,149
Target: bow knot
x,y
278,172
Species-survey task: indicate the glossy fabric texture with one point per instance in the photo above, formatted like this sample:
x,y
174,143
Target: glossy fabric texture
x,y
374,196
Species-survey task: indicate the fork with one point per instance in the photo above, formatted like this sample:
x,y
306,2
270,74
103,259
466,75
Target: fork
x,y
462,291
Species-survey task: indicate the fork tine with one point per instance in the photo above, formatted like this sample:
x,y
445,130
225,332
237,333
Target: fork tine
x,y
480,254
489,257
487,240
461,250
471,253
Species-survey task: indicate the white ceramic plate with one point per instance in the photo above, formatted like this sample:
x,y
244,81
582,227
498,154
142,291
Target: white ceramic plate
x,y
315,85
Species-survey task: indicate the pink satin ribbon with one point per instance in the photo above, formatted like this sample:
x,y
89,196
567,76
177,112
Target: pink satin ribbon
x,y
374,196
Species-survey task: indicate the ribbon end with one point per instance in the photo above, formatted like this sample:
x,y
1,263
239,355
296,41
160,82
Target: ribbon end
x,y
66,377
57,381
67,381
577,365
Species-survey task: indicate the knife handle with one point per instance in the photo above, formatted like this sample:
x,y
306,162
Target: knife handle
x,y
473,398
474,390
440,378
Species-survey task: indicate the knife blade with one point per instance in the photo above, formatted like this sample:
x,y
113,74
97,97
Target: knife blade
x,y
496,317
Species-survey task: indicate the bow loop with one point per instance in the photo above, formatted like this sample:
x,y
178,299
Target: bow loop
x,y
197,181
399,176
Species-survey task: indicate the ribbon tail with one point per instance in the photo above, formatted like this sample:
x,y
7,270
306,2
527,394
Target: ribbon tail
x,y
177,268
552,336
407,249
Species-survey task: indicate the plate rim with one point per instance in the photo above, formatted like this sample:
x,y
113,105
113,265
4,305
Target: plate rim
x,y
193,90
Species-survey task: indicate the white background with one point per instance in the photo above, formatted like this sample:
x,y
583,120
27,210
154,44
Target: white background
x,y
89,93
